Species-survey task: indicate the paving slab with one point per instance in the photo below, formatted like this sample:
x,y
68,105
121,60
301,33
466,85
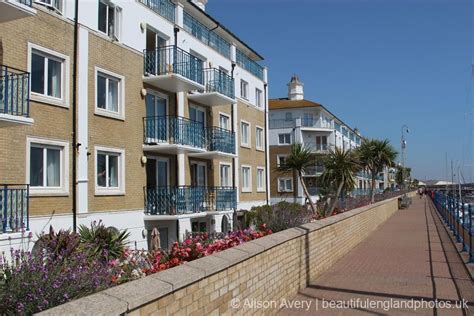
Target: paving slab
x,y
402,268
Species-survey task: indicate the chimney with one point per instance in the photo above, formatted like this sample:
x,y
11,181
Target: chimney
x,y
295,89
200,3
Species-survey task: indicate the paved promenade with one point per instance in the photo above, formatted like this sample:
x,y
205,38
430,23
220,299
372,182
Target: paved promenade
x,y
409,257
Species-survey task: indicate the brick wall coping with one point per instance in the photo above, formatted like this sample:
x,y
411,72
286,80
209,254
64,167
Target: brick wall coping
x,y
129,296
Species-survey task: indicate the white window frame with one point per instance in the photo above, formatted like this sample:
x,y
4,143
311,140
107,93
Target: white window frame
x,y
261,188
248,143
262,145
101,191
284,143
244,89
50,4
63,189
228,118
249,188
121,94
258,98
199,109
284,179
117,21
230,173
48,53
278,159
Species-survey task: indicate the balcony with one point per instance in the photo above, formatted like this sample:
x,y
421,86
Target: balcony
x,y
174,134
172,69
248,64
218,89
14,207
165,8
314,171
181,200
15,9
14,97
306,124
219,142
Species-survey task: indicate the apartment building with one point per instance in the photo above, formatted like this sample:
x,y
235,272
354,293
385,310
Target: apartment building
x,y
296,120
140,113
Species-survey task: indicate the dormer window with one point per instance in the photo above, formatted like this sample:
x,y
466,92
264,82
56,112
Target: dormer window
x,y
109,19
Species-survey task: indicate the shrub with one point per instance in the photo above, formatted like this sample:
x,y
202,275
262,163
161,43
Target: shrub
x,y
34,283
101,241
63,243
280,216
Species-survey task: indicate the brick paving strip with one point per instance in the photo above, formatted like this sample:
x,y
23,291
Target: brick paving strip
x,y
410,259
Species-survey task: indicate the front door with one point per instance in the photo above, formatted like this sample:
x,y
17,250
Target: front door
x,y
156,123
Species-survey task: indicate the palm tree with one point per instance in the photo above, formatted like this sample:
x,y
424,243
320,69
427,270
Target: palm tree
x,y
375,155
298,161
338,176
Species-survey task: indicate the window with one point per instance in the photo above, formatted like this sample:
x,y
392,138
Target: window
x,y
49,75
281,160
55,4
284,139
109,94
260,179
47,168
224,121
288,117
258,98
321,143
246,179
109,19
225,175
259,138
109,171
244,89
285,185
244,134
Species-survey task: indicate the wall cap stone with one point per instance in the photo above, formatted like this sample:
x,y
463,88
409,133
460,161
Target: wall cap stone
x,y
131,295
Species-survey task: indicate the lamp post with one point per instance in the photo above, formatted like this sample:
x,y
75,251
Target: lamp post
x,y
404,128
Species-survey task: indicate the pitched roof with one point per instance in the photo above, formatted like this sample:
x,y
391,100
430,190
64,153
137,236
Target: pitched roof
x,y
285,103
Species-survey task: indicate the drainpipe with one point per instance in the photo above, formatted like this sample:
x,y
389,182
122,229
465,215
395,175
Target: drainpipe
x,y
234,222
267,192
75,145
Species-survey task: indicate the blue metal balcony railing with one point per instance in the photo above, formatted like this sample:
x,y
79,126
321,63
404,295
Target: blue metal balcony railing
x,y
171,59
367,175
248,64
176,200
205,35
14,207
26,2
165,8
173,130
219,139
216,80
14,92
182,131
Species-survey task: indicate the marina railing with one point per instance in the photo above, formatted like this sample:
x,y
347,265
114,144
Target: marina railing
x,y
176,200
14,207
14,91
458,217
171,59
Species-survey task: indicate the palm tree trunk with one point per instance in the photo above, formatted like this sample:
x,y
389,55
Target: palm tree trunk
x,y
372,189
333,203
305,190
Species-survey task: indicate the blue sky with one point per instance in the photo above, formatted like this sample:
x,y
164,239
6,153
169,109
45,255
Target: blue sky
x,y
377,64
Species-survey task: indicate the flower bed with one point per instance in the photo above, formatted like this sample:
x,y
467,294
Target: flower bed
x,y
65,266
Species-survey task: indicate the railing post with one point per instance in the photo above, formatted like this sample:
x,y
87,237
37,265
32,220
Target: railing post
x,y
4,207
471,250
